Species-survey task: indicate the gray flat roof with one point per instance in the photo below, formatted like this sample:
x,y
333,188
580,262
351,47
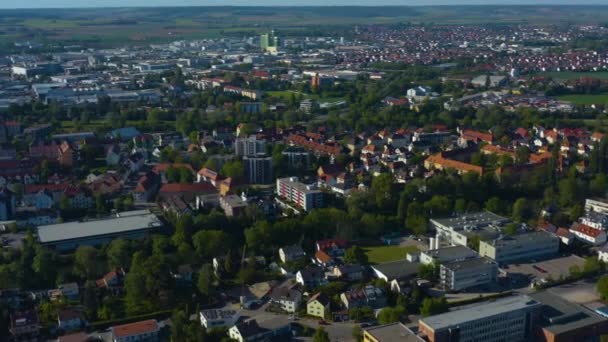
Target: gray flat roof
x,y
468,263
478,220
397,269
559,315
393,332
124,222
451,253
525,238
479,311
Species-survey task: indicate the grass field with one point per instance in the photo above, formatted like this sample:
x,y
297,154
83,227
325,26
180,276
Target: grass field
x,y
573,75
380,254
585,100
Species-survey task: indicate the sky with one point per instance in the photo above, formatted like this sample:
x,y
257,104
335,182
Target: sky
x,y
11,4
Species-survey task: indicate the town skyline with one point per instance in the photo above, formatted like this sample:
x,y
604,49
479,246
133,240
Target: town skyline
x,y
43,4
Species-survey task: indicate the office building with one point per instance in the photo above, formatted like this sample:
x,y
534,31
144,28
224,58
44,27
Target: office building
x,y
447,254
527,246
304,196
249,146
563,321
258,169
134,224
458,229
269,42
464,274
508,319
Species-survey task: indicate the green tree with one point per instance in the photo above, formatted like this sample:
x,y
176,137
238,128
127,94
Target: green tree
x,y
357,334
602,287
522,210
205,281
382,190
85,262
320,335
355,254
234,169
391,315
433,306
118,254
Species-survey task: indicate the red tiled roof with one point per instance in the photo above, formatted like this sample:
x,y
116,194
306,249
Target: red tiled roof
x,y
586,230
322,257
187,187
476,135
136,328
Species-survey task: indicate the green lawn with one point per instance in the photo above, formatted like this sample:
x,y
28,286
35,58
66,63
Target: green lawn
x,y
286,94
573,75
380,254
585,100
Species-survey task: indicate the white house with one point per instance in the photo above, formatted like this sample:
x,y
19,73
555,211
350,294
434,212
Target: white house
x,y
291,253
287,299
602,254
587,234
214,318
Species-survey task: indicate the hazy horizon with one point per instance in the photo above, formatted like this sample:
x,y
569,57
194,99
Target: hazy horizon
x,y
34,4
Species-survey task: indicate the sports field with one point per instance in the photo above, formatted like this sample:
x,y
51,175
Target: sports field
x,y
380,254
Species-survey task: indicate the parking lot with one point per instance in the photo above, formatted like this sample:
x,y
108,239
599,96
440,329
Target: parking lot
x,y
535,272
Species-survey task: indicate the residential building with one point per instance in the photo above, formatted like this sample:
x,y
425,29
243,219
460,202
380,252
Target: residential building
x,y
393,332
447,254
506,319
297,157
370,296
464,274
306,197
215,318
127,225
286,299
291,253
318,306
250,331
232,205
563,321
309,105
458,229
587,234
24,325
349,272
138,331
311,277
527,246
250,146
258,169
595,220
441,161
599,205
70,319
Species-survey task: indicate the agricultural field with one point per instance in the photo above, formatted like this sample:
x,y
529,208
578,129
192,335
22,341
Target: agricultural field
x,y
380,254
146,25
585,100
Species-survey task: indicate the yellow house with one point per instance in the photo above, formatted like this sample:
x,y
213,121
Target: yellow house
x,y
318,306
